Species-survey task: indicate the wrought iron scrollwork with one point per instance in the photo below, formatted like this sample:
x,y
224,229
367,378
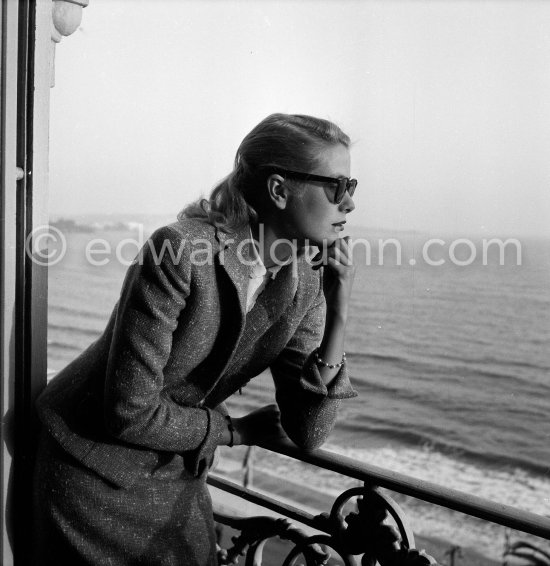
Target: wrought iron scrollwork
x,y
256,531
362,532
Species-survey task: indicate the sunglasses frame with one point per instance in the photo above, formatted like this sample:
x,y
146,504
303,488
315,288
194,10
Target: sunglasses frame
x,y
343,184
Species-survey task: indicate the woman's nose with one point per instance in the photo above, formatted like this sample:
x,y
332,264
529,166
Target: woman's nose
x,y
347,203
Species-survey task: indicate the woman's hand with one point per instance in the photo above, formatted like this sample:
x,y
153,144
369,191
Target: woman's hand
x,y
338,276
258,426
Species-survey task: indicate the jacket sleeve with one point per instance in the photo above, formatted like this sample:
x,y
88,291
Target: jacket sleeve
x,y
135,409
308,406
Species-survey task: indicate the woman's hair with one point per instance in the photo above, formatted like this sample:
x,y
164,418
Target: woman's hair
x,y
289,141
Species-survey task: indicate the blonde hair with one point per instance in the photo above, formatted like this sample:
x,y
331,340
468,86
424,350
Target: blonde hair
x,y
289,141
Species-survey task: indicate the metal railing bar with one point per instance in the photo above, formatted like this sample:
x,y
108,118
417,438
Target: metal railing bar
x,y
493,512
265,501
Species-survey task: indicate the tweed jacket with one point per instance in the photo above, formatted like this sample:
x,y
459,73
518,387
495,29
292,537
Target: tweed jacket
x,y
147,388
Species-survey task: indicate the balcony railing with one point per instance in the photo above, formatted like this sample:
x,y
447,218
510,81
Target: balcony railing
x,y
361,532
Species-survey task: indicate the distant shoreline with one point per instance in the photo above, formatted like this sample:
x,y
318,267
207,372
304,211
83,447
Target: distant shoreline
x,y
152,221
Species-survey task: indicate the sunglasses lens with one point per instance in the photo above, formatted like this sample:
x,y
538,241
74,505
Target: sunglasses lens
x,y
340,191
343,185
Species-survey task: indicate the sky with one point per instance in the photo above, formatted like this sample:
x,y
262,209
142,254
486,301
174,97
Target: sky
x,y
447,103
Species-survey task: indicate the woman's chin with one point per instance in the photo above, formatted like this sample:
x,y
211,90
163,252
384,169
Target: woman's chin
x,y
330,239
321,243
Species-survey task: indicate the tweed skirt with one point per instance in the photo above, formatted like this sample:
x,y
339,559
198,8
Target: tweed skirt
x,y
79,518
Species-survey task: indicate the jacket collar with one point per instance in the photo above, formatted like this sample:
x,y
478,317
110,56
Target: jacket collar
x,y
236,258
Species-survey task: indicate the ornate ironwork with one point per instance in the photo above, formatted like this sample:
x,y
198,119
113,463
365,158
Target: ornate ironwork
x,y
256,531
362,532
523,553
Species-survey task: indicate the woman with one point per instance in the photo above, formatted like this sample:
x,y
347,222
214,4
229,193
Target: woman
x,y
131,426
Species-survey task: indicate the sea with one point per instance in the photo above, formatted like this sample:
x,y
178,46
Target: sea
x,y
449,351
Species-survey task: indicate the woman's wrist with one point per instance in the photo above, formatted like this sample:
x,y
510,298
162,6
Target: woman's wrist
x,y
237,431
322,363
338,295
331,350
231,430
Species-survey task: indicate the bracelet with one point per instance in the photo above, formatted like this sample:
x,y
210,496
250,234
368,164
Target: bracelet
x,y
231,428
320,362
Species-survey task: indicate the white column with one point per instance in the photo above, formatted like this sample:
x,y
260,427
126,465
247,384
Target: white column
x,y
9,175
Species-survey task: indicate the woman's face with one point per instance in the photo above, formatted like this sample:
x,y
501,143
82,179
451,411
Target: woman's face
x,y
310,213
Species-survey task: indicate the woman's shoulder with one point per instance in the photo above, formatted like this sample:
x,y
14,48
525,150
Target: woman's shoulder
x,y
186,229
179,240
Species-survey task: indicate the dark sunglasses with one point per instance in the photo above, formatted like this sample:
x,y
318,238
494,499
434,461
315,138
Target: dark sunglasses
x,y
342,185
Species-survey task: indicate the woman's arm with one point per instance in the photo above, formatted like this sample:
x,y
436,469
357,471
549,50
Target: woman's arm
x,y
338,277
308,393
153,297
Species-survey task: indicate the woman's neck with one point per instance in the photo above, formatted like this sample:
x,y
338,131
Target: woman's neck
x,y
273,249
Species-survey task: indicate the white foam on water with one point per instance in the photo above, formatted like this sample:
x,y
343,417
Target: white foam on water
x,y
511,486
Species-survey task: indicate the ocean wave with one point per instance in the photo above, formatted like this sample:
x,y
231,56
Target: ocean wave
x,y
471,366
379,357
76,312
514,380
394,434
489,360
63,346
90,332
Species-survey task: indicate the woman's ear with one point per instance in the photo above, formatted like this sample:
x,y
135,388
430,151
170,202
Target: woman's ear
x,y
277,191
